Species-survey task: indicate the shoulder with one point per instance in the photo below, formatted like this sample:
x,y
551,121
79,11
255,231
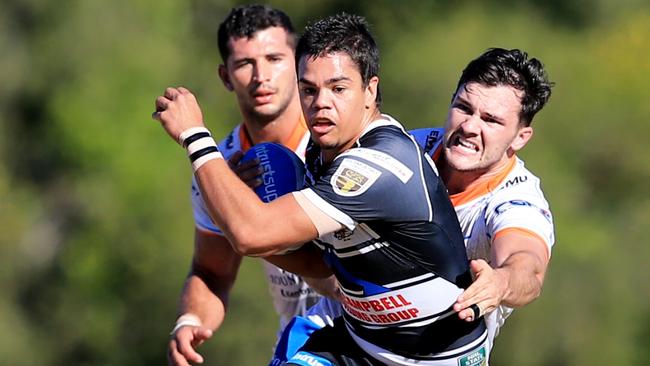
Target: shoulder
x,y
520,182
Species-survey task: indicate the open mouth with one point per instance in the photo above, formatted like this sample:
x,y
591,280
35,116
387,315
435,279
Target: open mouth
x,y
322,125
464,144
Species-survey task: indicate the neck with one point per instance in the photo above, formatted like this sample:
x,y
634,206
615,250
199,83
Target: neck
x,y
278,129
372,115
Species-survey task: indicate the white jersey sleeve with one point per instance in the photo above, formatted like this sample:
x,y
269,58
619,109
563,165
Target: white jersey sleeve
x,y
520,204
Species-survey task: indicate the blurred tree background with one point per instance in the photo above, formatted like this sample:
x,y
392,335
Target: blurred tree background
x,y
95,222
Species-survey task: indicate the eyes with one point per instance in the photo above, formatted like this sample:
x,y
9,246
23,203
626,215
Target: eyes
x,y
270,58
466,109
311,90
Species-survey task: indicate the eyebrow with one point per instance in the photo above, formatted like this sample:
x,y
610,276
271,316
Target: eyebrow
x,y
327,82
271,54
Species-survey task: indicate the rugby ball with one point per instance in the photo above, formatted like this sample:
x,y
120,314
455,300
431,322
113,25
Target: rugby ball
x,y
283,171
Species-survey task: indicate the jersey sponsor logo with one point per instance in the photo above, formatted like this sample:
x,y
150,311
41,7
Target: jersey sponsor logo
x,y
476,358
384,310
297,293
230,140
505,206
306,359
401,171
353,177
343,234
432,138
405,305
517,180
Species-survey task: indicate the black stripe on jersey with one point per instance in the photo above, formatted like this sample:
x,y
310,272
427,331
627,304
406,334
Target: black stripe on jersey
x,y
405,285
449,335
323,245
461,352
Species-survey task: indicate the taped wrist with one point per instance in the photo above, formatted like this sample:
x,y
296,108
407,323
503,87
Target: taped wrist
x,y
186,320
200,146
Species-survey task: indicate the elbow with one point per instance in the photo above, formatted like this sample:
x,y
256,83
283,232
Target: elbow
x,y
246,246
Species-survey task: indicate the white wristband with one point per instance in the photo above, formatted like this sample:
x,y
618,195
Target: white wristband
x,y
189,132
196,164
200,146
186,320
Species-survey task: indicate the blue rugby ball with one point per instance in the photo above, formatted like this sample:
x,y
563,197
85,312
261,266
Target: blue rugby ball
x,y
283,171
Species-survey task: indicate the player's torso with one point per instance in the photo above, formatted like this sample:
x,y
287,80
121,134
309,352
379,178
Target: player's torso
x,y
400,268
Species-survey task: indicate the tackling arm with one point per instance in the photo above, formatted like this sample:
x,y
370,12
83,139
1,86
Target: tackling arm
x,y
520,261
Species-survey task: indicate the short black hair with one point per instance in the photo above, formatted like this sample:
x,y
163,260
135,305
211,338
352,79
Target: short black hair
x,y
245,20
498,66
345,33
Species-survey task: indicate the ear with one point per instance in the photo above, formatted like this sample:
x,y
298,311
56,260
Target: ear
x,y
521,139
371,92
223,75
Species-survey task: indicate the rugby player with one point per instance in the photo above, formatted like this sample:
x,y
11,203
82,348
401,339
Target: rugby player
x,y
505,219
374,205
257,48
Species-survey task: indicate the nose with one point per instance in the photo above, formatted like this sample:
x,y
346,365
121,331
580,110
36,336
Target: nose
x,y
321,99
262,72
471,125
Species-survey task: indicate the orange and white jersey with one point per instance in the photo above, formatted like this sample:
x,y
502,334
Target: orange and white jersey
x,y
511,200
291,295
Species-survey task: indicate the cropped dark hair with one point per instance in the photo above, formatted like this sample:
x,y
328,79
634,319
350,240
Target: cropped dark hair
x,y
245,20
498,66
344,33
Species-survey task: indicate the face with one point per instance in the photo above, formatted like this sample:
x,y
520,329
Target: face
x,y
483,129
261,72
336,104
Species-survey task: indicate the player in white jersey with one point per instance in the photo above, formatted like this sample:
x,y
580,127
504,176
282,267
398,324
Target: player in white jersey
x,y
257,48
504,216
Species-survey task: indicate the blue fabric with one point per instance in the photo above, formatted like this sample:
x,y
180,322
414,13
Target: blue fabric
x,y
294,336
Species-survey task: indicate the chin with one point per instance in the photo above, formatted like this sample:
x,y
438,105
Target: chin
x,y
461,165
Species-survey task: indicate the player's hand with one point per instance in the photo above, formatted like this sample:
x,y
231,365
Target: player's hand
x,y
250,172
182,345
177,110
486,292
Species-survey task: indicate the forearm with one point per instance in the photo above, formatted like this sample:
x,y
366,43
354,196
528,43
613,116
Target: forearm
x,y
253,228
209,304
524,276
306,262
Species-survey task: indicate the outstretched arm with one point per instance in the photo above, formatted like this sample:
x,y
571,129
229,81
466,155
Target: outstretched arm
x,y
515,279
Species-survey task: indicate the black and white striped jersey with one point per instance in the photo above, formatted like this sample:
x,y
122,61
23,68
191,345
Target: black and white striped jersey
x,y
400,258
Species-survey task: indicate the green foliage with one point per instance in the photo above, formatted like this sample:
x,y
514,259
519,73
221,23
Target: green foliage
x,y
94,210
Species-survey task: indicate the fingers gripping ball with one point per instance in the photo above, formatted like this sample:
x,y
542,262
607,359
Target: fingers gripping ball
x,y
283,171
